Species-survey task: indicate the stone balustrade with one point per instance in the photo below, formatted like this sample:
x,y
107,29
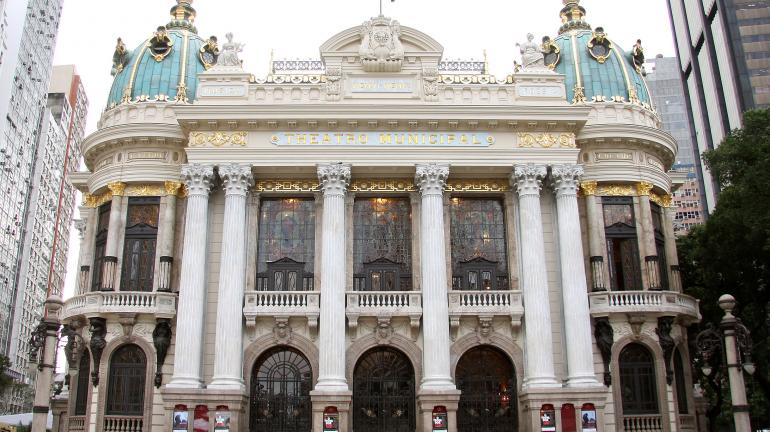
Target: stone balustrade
x,y
643,423
282,304
94,304
487,304
384,305
123,423
77,424
657,303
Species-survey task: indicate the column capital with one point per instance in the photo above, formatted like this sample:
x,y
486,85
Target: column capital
x,y
117,188
198,178
237,178
566,179
334,178
528,178
431,178
644,188
172,187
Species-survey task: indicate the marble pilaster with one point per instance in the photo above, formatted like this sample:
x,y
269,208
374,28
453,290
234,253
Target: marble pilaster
x,y
534,279
192,285
595,224
647,237
334,179
114,235
577,331
228,360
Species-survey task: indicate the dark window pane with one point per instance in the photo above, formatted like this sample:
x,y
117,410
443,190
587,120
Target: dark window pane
x,y
102,227
128,367
622,244
83,383
139,244
681,387
478,241
637,381
286,230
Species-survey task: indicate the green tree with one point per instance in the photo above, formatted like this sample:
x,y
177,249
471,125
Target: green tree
x,y
5,380
730,253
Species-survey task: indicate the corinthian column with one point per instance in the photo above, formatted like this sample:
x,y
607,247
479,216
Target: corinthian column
x,y
228,363
431,179
580,368
192,285
334,180
114,232
166,247
534,280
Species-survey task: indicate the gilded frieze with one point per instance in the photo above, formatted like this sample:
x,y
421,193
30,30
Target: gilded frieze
x,y
478,185
286,186
134,190
383,185
547,140
218,139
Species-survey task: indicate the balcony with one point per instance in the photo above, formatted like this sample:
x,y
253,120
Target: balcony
x,y
656,303
285,304
485,305
384,305
160,304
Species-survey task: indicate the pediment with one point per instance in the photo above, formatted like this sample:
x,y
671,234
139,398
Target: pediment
x,y
347,42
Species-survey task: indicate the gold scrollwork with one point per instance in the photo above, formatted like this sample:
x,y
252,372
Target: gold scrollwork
x,y
663,200
383,185
589,187
218,139
286,186
547,140
172,187
117,188
478,185
145,190
616,190
96,200
644,188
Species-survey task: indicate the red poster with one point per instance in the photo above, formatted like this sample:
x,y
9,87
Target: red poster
x,y
201,421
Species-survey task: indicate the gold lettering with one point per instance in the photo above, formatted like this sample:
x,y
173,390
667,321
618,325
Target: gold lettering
x,y
400,138
386,138
313,138
414,139
450,139
363,139
464,139
433,139
289,136
326,139
339,138
351,138
301,139
475,140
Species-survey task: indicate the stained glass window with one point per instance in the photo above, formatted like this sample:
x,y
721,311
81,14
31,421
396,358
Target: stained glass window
x,y
128,369
479,254
139,244
637,380
382,244
102,226
622,243
286,245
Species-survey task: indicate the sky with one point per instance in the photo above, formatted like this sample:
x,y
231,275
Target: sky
x,y
297,28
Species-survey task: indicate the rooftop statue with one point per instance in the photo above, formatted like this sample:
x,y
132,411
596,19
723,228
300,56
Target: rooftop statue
x,y
229,54
532,57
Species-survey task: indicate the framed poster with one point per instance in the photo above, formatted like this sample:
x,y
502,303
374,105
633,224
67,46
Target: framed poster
x,y
180,420
588,418
222,418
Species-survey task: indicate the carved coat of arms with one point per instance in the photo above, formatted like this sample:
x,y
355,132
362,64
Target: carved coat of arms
x,y
381,49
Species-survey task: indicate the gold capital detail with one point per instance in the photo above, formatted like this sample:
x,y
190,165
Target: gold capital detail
x,y
172,187
547,140
616,190
117,188
644,188
665,200
588,187
218,139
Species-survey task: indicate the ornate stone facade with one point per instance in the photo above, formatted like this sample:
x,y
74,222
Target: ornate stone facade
x,y
312,246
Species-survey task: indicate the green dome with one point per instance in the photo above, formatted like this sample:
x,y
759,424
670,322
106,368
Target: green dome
x,y
166,66
615,77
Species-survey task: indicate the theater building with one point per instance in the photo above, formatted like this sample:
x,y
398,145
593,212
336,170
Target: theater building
x,y
379,237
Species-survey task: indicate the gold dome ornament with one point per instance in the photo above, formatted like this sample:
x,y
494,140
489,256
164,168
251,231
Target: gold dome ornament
x,y
119,57
161,44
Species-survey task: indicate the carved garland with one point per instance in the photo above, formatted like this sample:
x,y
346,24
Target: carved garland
x,y
547,140
218,139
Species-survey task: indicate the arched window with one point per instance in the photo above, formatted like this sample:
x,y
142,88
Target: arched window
x,y
487,379
637,380
383,392
139,245
681,386
286,245
125,387
479,254
83,384
280,392
382,244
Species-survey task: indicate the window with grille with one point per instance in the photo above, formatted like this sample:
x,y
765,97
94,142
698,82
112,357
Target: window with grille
x,y
83,384
102,227
622,244
139,245
637,380
127,376
382,244
478,242
286,245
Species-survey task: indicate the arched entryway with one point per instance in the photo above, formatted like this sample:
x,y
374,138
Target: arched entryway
x,y
383,392
637,381
280,392
487,379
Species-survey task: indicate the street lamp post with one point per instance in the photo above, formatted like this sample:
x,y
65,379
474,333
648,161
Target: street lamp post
x,y
732,342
